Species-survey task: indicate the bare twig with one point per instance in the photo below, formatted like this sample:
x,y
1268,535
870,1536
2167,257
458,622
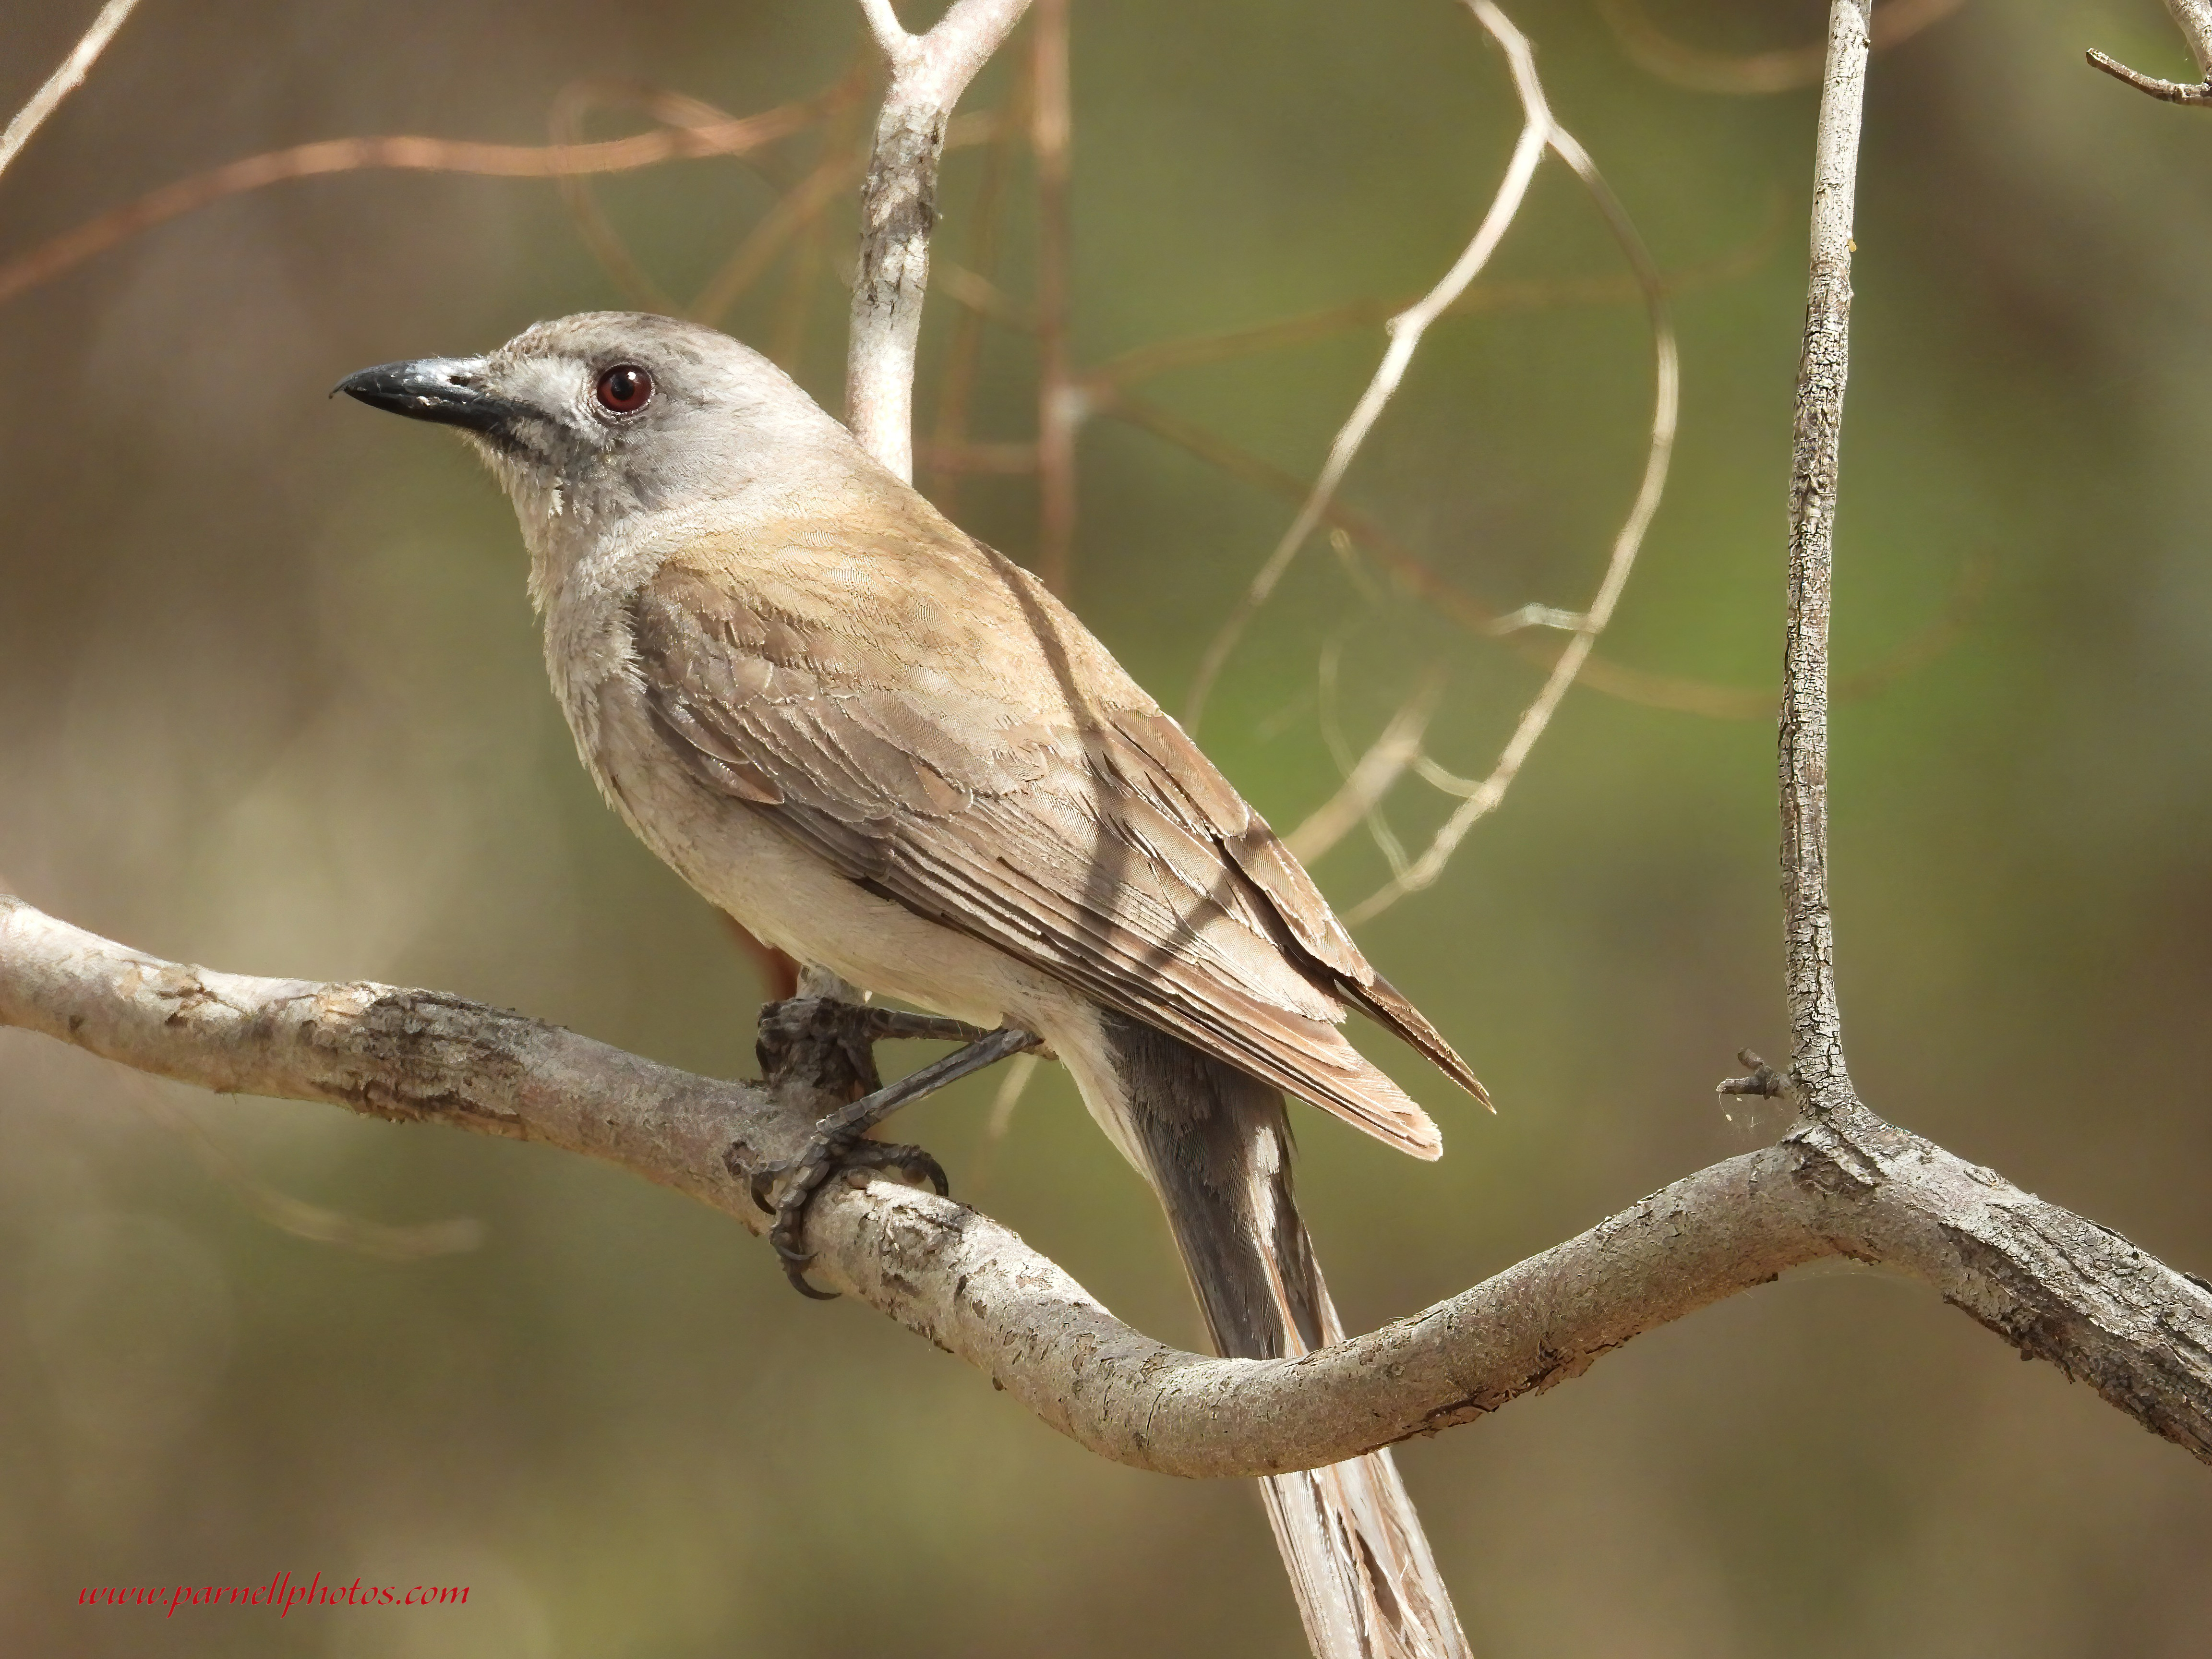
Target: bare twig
x,y
2194,18
1753,74
65,79
1763,1081
73,248
2054,1285
575,102
1368,779
1483,799
793,212
1406,330
1020,1071
564,122
898,210
1481,299
1816,1058
1417,577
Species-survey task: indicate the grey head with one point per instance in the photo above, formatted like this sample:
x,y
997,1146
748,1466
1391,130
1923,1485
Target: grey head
x,y
592,420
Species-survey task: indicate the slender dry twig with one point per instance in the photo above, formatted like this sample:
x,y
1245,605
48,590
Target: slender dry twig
x,y
565,122
898,210
1816,1059
1406,330
1753,74
1060,397
66,78
2054,1285
1675,692
73,248
2194,18
1369,778
789,216
1484,797
1020,1071
1481,299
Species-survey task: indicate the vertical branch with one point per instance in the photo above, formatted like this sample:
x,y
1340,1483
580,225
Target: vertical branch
x,y
64,80
898,210
1059,398
1816,1033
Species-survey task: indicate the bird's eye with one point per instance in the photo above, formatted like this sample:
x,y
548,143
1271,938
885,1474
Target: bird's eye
x,y
625,389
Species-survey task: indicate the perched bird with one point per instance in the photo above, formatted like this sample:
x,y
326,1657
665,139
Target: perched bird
x,y
889,750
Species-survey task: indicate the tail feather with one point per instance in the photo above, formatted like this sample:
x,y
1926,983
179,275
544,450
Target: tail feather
x,y
1216,1145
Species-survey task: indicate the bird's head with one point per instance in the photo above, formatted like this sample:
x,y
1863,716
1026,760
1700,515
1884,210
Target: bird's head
x,y
594,420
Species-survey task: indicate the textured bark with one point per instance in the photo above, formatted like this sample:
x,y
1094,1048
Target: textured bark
x,y
898,209
1817,1054
2194,18
2056,1286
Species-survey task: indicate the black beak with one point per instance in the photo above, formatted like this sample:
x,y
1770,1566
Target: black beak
x,y
440,389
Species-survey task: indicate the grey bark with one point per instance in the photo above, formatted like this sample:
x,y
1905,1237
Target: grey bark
x,y
898,210
2056,1286
2194,18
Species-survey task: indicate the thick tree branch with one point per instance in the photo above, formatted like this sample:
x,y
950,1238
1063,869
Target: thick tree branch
x,y
2194,18
2056,1286
898,210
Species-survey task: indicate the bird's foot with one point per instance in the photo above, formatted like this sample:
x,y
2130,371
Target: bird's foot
x,y
785,1190
828,1046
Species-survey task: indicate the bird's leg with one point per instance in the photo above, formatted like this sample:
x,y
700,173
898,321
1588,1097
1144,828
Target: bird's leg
x,y
830,1046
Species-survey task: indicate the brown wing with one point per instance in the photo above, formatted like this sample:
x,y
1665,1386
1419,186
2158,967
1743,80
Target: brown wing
x,y
1108,853
1252,845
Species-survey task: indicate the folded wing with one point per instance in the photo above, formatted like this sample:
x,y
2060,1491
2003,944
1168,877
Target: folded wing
x,y
1100,846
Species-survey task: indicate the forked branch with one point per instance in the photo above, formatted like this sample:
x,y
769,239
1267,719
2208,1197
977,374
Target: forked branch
x,y
2054,1285
898,210
2194,18
1843,1183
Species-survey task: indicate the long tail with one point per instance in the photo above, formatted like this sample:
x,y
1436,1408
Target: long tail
x,y
1216,1145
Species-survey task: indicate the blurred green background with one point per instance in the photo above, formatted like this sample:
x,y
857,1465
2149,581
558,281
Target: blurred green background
x,y
273,702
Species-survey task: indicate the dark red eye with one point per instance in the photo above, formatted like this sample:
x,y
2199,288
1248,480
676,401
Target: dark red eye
x,y
625,389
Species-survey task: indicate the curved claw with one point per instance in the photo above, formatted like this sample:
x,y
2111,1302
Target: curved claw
x,y
923,1164
798,1278
794,1261
763,1187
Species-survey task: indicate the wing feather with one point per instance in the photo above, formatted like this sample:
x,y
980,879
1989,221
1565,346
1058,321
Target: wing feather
x,y
1106,852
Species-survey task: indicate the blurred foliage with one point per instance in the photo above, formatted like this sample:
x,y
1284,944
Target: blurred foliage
x,y
273,703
